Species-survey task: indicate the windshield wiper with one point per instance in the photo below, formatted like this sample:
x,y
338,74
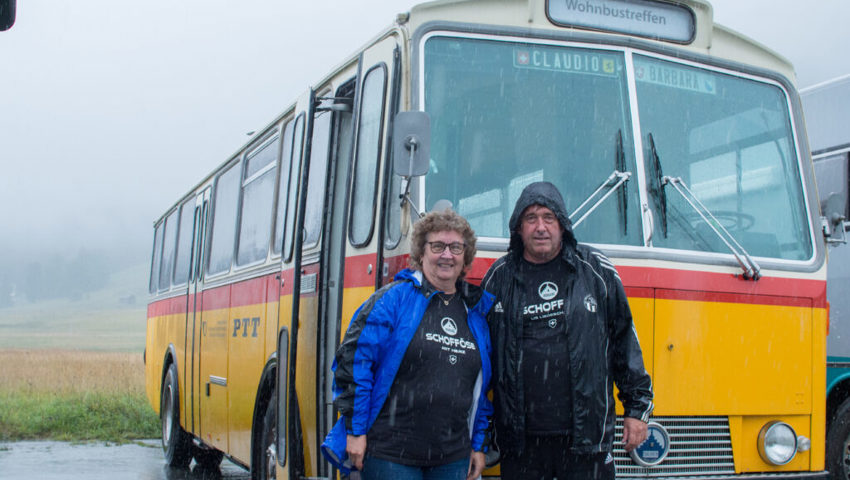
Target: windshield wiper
x,y
656,186
750,267
622,193
612,183
617,179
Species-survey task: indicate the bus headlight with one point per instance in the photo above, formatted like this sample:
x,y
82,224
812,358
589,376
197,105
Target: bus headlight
x,y
777,443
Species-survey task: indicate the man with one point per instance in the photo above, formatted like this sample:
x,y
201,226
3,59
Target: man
x,y
562,334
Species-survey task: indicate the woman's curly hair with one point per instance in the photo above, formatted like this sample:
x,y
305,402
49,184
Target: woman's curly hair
x,y
444,221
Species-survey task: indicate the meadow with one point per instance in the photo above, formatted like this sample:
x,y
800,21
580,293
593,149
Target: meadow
x,y
73,370
74,395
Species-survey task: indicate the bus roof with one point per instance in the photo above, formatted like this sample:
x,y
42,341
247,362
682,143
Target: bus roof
x,y
710,39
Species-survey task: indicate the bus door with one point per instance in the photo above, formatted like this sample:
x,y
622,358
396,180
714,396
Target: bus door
x,y
214,308
318,259
191,387
389,229
349,255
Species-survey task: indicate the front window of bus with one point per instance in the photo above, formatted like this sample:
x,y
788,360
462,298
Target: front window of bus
x,y
505,114
730,141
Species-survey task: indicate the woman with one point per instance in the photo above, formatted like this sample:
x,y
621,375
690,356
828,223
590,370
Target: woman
x,y
411,374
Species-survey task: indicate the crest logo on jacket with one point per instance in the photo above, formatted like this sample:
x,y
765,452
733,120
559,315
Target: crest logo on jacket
x,y
590,303
547,290
449,326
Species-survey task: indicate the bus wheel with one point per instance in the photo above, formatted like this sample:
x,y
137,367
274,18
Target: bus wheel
x,y
838,443
209,458
268,457
176,443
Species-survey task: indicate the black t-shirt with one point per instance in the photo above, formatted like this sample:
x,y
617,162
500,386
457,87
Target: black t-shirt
x,y
424,421
545,353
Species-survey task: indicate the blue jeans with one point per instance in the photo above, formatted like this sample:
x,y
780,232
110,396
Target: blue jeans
x,y
378,469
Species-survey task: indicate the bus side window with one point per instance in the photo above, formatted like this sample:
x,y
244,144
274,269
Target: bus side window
x,y
363,206
257,203
316,182
224,220
184,242
156,257
294,178
168,246
283,186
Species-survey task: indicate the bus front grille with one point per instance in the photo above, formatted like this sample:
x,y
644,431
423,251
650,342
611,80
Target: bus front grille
x,y
698,446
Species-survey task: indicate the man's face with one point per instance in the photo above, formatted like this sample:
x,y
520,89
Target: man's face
x,y
541,234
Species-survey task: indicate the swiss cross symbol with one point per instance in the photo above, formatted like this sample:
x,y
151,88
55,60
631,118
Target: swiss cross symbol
x,y
522,57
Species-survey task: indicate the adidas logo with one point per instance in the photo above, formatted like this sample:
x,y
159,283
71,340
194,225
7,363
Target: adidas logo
x,y
498,308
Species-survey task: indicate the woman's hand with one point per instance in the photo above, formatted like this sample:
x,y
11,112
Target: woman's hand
x,y
476,465
355,447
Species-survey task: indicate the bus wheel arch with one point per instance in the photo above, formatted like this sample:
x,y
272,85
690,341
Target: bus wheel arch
x,y
264,400
176,443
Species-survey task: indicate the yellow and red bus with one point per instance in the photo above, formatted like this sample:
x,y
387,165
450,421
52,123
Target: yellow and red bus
x,y
679,146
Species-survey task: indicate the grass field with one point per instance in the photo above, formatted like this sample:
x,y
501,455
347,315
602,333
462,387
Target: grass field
x,y
73,370
74,395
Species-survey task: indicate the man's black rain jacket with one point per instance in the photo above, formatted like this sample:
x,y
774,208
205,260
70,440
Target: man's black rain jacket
x,y
603,344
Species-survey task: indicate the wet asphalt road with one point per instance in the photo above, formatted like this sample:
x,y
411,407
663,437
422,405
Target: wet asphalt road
x,y
96,461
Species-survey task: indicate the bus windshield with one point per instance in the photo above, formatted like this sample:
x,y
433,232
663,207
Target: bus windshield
x,y
506,113
730,140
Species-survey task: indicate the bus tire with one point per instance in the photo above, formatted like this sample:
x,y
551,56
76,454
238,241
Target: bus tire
x,y
176,443
267,467
207,457
838,443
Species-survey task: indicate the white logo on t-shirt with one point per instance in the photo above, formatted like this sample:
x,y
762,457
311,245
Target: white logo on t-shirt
x,y
547,290
449,326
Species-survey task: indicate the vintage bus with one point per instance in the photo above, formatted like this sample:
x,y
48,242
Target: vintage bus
x,y
679,147
826,106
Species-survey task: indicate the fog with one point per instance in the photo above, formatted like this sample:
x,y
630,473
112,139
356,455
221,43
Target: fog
x,y
111,110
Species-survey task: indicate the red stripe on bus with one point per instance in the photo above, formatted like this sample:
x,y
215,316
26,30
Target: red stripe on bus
x,y
720,297
788,290
639,282
169,306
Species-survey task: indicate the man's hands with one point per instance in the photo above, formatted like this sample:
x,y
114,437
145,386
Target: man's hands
x,y
634,433
476,465
355,447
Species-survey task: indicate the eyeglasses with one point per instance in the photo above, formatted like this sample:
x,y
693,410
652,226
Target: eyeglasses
x,y
456,248
548,218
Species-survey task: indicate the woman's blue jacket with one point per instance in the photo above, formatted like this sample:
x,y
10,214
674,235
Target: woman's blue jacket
x,y
370,354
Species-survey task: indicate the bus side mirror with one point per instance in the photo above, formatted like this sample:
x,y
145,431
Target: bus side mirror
x,y
411,144
835,224
7,14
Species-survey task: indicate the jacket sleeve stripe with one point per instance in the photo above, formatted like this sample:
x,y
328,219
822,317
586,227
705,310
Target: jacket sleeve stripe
x,y
345,369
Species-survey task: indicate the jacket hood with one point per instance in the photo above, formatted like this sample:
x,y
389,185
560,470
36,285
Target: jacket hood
x,y
546,195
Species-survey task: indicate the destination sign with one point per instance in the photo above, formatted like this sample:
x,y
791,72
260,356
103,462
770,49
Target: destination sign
x,y
567,60
644,18
675,77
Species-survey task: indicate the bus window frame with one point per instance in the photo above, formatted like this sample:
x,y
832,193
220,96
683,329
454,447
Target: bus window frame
x,y
233,163
173,214
156,257
264,141
389,240
287,120
379,142
289,221
188,202
328,145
